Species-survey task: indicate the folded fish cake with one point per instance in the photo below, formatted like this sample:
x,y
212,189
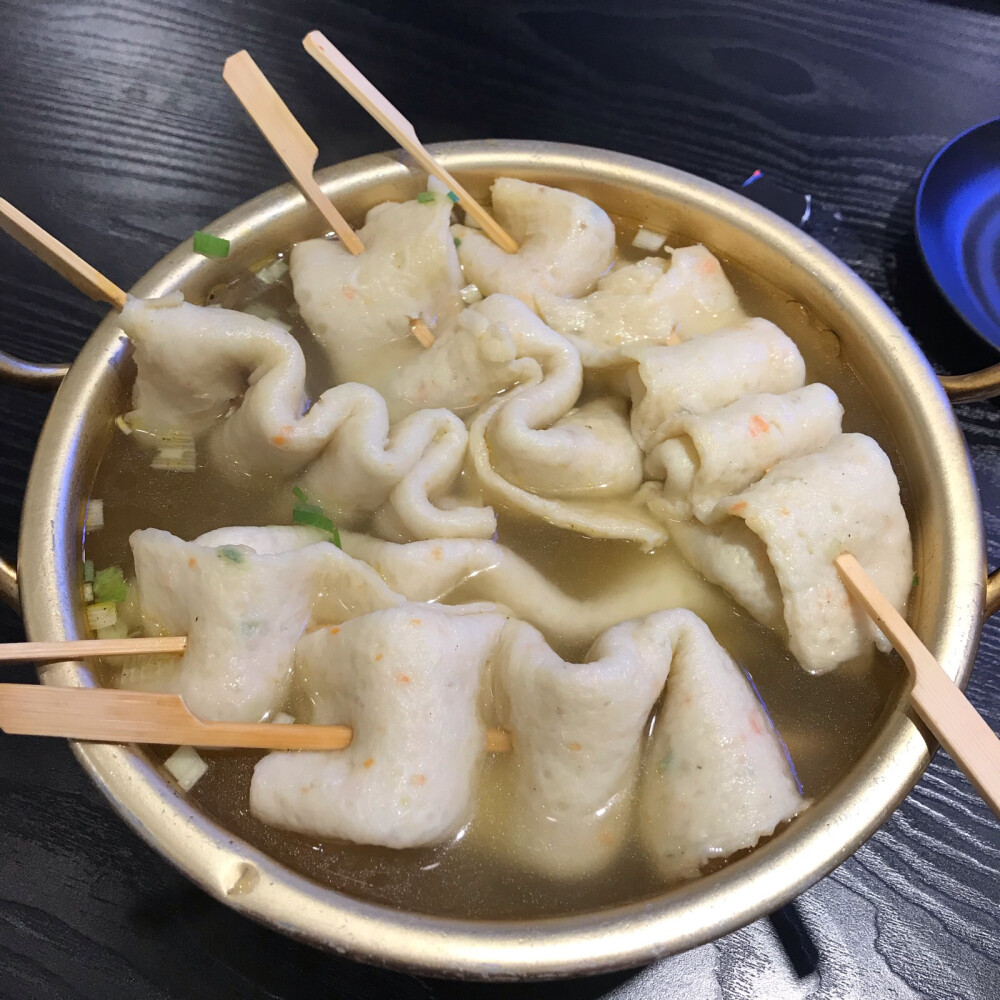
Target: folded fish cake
x,y
706,373
243,611
566,243
577,734
716,777
803,514
482,570
653,301
359,307
470,361
242,379
542,455
408,680
720,453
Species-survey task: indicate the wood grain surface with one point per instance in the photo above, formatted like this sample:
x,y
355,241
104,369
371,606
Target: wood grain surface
x,y
117,132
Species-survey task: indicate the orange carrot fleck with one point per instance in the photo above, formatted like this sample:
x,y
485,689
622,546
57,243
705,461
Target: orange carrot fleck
x,y
436,552
758,425
378,656
402,678
192,562
738,508
278,440
349,292
574,747
418,779
416,621
369,762
335,630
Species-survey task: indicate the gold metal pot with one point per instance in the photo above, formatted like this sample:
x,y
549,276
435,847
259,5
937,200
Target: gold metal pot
x,y
932,464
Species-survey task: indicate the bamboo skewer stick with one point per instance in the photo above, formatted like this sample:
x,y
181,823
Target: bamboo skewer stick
x,y
59,257
295,149
287,138
375,103
112,716
949,715
85,649
421,331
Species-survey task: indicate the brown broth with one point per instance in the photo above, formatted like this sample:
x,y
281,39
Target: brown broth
x,y
826,721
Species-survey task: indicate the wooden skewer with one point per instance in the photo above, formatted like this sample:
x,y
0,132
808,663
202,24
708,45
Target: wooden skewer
x,y
421,331
297,151
287,137
85,649
949,715
59,257
375,103
112,716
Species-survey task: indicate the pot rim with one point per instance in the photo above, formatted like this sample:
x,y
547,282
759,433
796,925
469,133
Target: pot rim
x,y
259,887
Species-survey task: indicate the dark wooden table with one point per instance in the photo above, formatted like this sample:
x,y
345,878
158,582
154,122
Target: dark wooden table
x,y
117,133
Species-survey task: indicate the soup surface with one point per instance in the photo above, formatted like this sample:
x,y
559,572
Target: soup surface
x,y
825,721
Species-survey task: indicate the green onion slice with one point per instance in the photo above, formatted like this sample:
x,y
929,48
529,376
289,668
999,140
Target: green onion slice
x,y
210,246
109,585
88,571
425,197
313,516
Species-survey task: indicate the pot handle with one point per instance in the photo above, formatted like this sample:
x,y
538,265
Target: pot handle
x,y
14,371
966,389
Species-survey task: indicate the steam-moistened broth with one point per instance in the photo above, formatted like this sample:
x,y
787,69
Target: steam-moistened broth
x,y
825,720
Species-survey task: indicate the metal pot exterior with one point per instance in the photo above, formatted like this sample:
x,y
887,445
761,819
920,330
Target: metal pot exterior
x,y
934,472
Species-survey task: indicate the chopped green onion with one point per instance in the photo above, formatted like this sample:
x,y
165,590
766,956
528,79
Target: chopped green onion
x,y
646,239
109,585
117,631
94,518
176,453
88,571
916,580
231,553
311,514
458,242
314,517
210,246
273,272
102,615
426,197
186,766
